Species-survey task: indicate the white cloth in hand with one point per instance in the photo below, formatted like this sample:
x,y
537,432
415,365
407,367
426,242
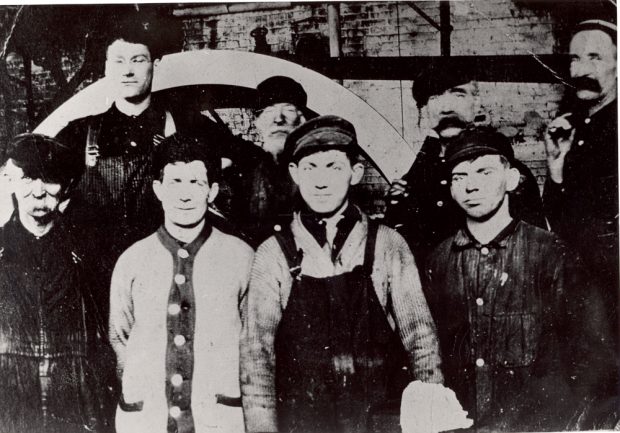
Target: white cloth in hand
x,y
431,408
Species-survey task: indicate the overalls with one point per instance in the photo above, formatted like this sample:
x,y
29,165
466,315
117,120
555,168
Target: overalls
x,y
327,318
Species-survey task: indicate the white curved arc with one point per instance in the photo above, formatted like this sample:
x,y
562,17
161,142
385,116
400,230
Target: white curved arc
x,y
381,141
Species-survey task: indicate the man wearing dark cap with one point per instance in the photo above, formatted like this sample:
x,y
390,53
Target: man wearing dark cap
x,y
117,145
336,322
262,192
175,305
581,192
520,334
419,204
49,322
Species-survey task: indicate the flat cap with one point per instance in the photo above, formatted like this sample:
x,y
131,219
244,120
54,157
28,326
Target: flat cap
x,y
605,26
475,142
440,75
280,89
43,157
320,134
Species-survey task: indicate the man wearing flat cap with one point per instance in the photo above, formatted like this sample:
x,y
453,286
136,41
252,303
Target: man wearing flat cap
x,y
262,192
518,325
336,321
419,204
581,192
49,324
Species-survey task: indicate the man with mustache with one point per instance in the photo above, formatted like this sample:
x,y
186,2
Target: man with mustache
x,y
419,205
50,352
262,193
581,192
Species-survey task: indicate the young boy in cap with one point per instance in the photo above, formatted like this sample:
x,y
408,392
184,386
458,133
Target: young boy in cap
x,y
175,305
521,336
336,322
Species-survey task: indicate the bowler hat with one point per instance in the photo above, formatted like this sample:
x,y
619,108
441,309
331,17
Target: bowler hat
x,y
279,89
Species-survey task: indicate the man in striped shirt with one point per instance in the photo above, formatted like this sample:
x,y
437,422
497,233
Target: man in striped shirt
x,y
336,323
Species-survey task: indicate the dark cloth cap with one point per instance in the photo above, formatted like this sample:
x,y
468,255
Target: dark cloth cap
x,y
475,142
279,89
43,157
605,26
440,75
186,148
161,34
320,134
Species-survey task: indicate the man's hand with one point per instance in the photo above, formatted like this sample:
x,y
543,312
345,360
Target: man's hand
x,y
398,189
559,138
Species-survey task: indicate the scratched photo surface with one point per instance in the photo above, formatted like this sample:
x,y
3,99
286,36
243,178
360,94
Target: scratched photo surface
x,y
309,217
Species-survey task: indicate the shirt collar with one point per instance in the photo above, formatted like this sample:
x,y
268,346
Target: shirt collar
x,y
464,239
173,245
315,223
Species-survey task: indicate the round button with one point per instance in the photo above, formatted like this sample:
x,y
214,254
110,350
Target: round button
x,y
182,253
580,142
480,302
484,251
480,362
176,379
443,159
175,411
277,227
179,340
587,120
133,144
443,182
440,203
174,309
179,279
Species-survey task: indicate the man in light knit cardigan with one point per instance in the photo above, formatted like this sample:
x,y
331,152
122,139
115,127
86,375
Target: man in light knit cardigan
x,y
337,324
175,314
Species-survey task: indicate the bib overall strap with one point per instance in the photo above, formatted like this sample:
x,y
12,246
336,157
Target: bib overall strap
x,y
293,255
371,240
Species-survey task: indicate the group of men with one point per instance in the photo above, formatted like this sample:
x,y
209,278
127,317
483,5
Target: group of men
x,y
325,319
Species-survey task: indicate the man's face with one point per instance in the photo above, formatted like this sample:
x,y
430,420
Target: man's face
x,y
593,65
324,179
453,110
130,66
184,193
479,186
35,198
276,122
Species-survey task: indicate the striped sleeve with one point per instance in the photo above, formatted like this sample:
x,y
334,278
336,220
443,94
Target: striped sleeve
x,y
257,349
410,309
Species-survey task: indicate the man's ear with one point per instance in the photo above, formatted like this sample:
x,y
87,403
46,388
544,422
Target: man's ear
x,y
358,173
293,171
513,179
157,189
213,191
156,62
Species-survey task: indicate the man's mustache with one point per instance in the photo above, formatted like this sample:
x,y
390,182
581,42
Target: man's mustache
x,y
586,83
452,121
